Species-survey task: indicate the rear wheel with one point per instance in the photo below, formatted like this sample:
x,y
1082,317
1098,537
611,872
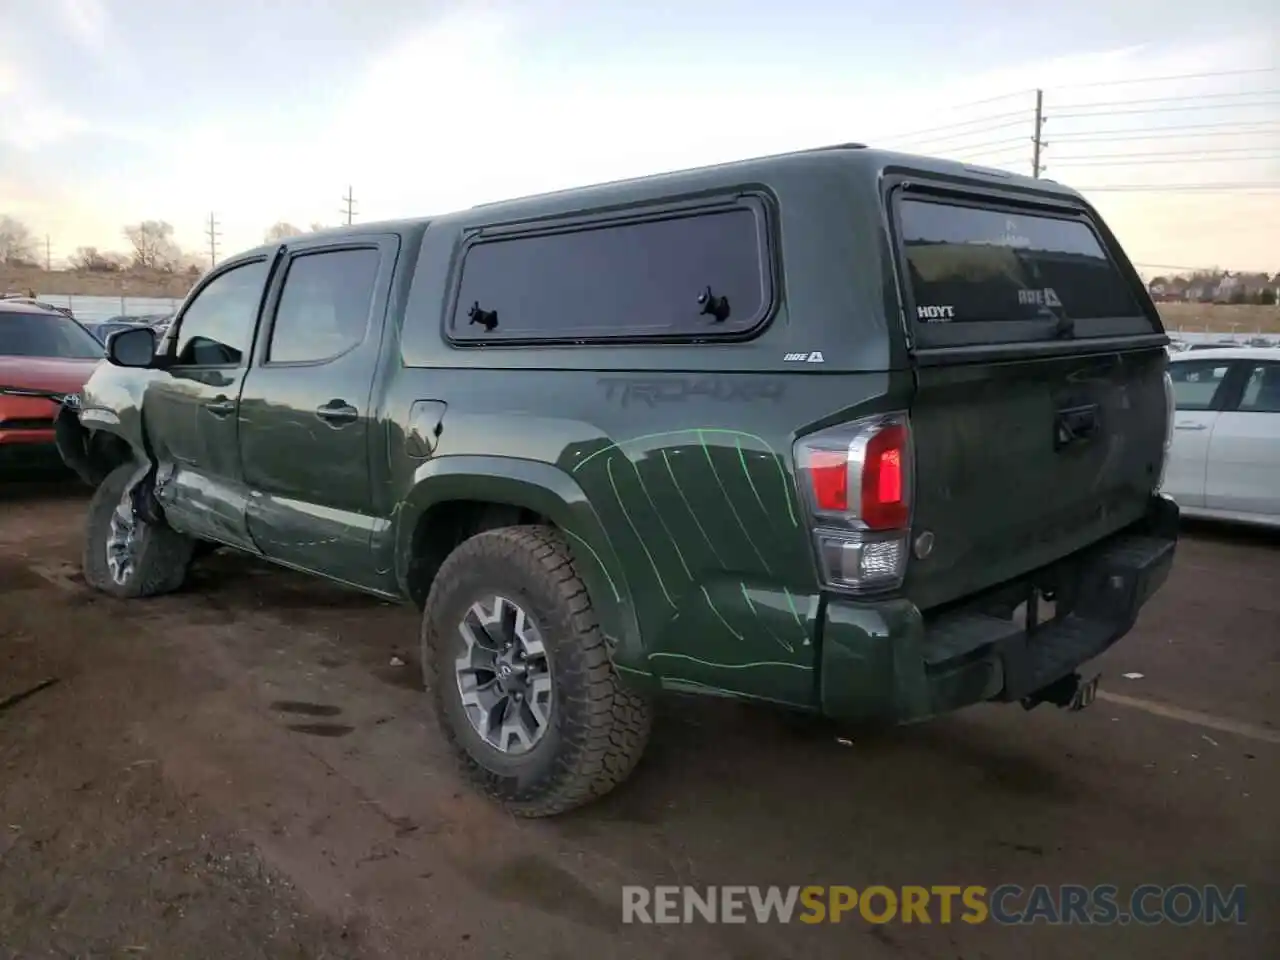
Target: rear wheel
x,y
520,678
124,555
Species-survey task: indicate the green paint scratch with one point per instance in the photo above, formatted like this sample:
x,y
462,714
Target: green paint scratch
x,y
662,520
608,469
706,450
719,431
732,666
746,472
794,612
605,570
688,506
746,595
718,614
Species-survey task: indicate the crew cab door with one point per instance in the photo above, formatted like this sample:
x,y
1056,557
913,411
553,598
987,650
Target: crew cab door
x,y
1243,456
1199,387
305,436
190,409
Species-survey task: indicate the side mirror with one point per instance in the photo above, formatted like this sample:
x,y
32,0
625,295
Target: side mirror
x,y
132,348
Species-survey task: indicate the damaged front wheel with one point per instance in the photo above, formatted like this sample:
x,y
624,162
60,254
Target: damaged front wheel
x,y
126,555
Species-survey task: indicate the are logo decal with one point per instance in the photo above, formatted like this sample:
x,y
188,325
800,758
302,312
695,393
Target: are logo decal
x,y
813,356
1048,297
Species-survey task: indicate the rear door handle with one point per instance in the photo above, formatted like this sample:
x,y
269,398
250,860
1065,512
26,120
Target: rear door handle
x,y
1190,426
221,406
1075,425
337,412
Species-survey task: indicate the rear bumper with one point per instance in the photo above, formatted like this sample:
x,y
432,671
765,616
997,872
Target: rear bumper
x,y
890,663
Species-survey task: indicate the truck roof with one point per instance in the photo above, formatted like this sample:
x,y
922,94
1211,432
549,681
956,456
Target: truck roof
x,y
849,156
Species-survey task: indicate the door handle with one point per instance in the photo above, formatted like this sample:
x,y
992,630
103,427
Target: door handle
x,y
1075,425
1190,426
337,412
221,406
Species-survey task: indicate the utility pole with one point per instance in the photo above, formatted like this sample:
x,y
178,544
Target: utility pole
x,y
350,209
213,233
1037,140
48,254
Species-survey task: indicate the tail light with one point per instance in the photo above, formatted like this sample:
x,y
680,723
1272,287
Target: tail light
x,y
857,483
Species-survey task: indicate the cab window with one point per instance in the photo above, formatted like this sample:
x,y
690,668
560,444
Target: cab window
x,y
216,329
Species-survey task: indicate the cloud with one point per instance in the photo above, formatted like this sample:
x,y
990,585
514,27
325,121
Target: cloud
x,y
467,109
87,22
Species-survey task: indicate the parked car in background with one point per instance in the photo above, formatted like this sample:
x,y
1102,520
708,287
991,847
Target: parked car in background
x,y
44,356
1224,462
32,301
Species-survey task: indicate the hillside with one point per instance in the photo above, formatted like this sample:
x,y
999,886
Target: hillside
x,y
137,283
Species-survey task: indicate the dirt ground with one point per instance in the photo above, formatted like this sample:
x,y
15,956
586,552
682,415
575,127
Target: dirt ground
x,y
247,770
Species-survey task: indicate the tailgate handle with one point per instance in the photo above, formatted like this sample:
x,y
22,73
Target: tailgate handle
x,y
1074,425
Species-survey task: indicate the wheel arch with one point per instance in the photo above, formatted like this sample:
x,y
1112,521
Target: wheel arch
x,y
467,494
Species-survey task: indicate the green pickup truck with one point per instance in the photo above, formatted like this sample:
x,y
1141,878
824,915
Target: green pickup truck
x,y
851,432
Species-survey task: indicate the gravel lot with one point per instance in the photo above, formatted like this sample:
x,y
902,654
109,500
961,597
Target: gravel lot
x,y
247,770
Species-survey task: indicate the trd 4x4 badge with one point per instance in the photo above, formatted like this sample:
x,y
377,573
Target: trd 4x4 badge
x,y
813,357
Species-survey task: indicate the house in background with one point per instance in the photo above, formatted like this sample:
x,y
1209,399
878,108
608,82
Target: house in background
x,y
1242,288
1168,289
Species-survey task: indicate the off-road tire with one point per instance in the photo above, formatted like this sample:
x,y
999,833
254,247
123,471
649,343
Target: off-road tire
x,y
598,729
163,555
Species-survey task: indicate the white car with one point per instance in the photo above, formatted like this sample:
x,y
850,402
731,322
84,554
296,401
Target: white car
x,y
1224,463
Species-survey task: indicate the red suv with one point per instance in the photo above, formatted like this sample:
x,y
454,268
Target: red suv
x,y
42,351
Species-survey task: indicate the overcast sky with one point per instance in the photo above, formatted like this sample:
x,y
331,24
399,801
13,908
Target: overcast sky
x,y
113,111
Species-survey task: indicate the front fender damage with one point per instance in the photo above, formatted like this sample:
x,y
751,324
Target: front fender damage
x,y
100,428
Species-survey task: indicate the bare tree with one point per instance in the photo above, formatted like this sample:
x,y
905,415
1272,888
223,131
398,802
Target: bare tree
x,y
281,231
153,245
317,227
90,258
17,246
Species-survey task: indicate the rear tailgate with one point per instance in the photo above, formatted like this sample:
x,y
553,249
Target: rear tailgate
x,y
1040,414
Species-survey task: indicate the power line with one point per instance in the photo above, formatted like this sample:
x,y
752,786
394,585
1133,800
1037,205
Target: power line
x,y
949,142
349,210
986,145
979,103
1007,155
1169,133
1183,76
1179,187
927,134
1205,155
1060,162
1165,266
1106,111
1179,99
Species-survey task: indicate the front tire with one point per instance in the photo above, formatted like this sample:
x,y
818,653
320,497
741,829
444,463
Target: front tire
x,y
520,677
124,555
